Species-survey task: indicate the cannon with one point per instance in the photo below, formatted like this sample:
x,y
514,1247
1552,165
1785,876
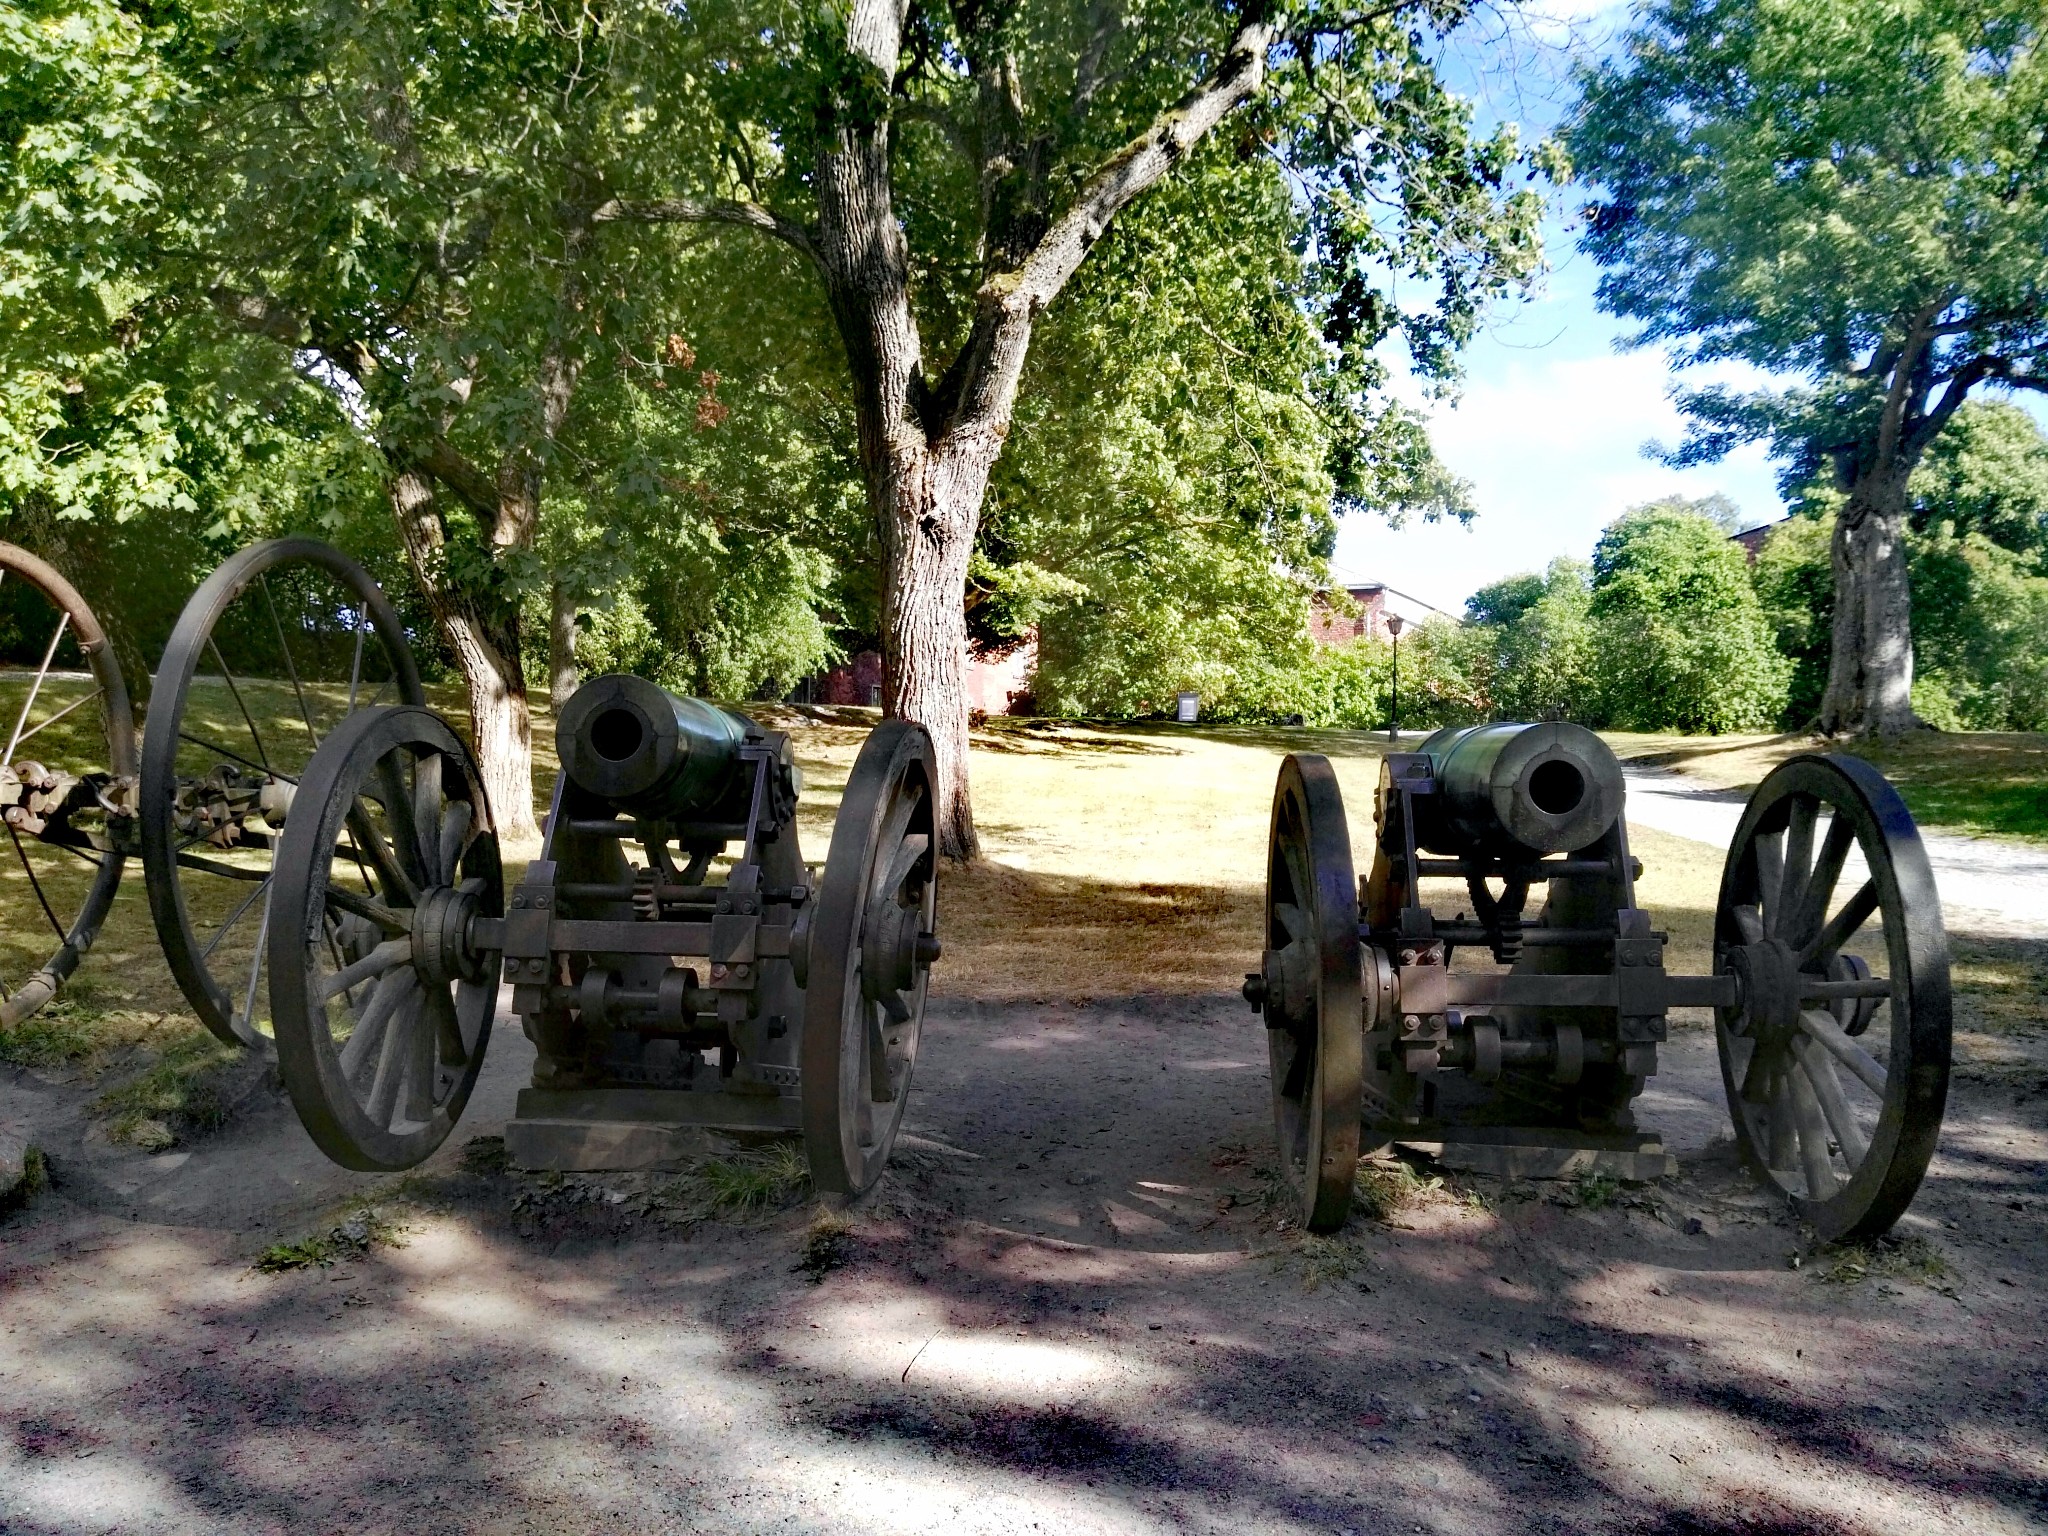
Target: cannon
x,y
1829,984
324,879
680,970
283,641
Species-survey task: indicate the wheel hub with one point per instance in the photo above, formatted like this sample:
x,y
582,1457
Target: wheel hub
x,y
441,927
897,948
1769,973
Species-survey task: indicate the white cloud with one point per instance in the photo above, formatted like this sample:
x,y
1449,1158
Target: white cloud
x,y
1552,445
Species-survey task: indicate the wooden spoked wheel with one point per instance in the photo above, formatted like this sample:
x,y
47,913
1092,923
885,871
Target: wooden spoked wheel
x,y
872,940
277,647
381,998
67,780
1836,1061
1314,1024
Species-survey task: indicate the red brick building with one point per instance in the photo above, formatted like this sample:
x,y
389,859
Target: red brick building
x,y
1327,626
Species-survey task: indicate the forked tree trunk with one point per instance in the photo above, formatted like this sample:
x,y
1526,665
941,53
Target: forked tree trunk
x,y
562,674
499,721
1870,673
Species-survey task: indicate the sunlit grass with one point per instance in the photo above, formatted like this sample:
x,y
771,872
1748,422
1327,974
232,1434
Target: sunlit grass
x,y
1969,781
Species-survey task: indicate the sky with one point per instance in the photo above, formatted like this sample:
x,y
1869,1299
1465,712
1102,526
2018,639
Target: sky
x,y
1550,423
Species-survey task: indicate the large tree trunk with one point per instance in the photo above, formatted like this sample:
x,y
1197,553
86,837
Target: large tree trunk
x,y
928,535
562,673
1870,673
487,655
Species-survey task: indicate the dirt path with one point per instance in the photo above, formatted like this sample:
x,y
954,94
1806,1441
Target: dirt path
x,y
1068,1309
2000,879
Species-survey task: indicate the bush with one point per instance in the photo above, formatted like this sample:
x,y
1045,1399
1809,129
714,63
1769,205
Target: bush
x,y
1680,641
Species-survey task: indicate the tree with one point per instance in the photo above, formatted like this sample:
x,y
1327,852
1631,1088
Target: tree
x,y
1848,191
1680,639
1540,641
946,171
1987,473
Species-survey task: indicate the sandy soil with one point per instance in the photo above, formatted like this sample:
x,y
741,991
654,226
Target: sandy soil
x,y
1069,1307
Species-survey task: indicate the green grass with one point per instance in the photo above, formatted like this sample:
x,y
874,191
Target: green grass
x,y
1993,782
828,1245
363,1228
177,1097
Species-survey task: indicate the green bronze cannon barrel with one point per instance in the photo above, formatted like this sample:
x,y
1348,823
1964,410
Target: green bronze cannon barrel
x,y
651,753
1509,790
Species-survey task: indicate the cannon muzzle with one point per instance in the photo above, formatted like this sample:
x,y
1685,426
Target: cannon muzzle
x,y
652,753
1509,790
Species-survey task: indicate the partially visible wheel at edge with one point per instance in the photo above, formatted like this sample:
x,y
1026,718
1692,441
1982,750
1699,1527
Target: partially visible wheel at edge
x,y
68,771
873,937
1314,1018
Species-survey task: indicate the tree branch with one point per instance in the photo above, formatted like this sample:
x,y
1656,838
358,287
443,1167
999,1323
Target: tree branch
x,y
982,382
691,210
472,487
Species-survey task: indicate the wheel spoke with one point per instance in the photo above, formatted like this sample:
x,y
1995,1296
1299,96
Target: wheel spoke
x,y
392,952
1770,874
1293,919
249,719
1798,865
372,1019
290,667
1749,923
454,1050
29,703
76,703
234,917
1861,1063
391,874
399,812
1756,1076
1827,1088
36,885
1783,1144
355,668
909,855
1813,1136
1842,926
455,824
233,756
1293,854
420,1068
248,1019
426,817
394,1059
1820,888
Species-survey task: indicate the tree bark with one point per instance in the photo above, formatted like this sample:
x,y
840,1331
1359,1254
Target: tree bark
x,y
562,673
486,653
928,536
1870,673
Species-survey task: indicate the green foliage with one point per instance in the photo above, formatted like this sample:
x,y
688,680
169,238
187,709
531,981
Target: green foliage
x,y
363,1229
1681,641
1980,622
1809,186
1987,474
1540,636
1795,584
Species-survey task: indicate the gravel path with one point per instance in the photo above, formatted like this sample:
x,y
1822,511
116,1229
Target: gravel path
x,y
1980,877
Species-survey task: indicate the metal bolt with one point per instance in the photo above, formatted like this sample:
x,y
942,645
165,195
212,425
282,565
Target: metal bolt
x,y
518,901
1411,1024
538,967
741,971
718,973
1407,957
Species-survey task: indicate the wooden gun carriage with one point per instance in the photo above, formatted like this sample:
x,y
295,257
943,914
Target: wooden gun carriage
x,y
1829,986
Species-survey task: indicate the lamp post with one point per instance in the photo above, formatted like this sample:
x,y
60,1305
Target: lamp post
x,y
1394,627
